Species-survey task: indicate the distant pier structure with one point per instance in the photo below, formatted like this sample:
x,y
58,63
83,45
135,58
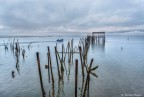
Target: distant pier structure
x,y
98,37
98,40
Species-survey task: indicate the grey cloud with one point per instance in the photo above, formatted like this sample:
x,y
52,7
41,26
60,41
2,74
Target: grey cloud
x,y
66,15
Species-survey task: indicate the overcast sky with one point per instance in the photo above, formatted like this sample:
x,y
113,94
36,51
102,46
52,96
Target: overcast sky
x,y
43,16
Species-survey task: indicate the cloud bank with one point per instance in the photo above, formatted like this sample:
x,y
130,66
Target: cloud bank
x,y
47,16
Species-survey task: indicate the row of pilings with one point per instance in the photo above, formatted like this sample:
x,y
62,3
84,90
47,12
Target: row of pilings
x,y
66,56
63,57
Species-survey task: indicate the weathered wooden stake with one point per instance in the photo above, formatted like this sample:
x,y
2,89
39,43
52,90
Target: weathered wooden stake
x,y
88,86
62,69
88,76
65,54
68,46
57,62
62,51
51,65
82,65
72,49
62,61
76,77
39,69
48,67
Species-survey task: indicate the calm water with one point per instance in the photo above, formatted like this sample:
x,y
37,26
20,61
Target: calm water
x,y
120,72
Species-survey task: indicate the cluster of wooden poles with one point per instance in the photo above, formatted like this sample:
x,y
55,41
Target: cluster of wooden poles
x,y
15,47
17,51
69,51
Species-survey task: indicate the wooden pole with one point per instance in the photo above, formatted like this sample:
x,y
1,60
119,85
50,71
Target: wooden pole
x,y
70,55
39,69
65,54
72,50
62,69
57,62
51,65
68,51
88,86
82,65
62,51
88,76
76,76
48,66
62,61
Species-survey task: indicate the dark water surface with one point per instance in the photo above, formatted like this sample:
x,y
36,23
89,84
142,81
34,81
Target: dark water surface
x,y
120,72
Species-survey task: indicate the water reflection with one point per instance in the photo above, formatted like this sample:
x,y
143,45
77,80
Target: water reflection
x,y
13,74
98,45
82,87
69,67
98,41
60,86
23,54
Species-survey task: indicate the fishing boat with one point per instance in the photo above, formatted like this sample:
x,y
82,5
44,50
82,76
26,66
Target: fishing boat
x,y
60,40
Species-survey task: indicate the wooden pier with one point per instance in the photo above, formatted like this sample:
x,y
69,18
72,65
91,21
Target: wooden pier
x,y
98,37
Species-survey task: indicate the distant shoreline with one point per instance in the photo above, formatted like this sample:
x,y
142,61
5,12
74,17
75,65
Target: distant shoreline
x,y
14,36
11,36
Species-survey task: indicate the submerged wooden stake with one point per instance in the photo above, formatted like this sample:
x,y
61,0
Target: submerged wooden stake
x,y
39,69
72,49
88,76
62,52
57,62
76,76
68,46
61,60
48,66
88,85
51,65
82,63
